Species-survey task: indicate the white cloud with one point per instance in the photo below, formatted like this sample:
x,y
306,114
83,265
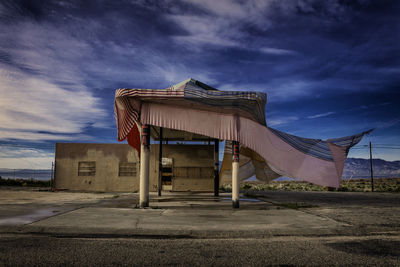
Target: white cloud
x,y
287,90
388,124
201,31
251,11
142,65
321,115
25,158
222,24
226,8
225,22
26,163
44,90
276,51
281,120
39,137
161,69
47,51
30,103
278,90
20,152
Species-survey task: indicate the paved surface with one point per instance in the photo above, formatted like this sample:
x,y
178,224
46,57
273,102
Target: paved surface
x,y
287,251
275,228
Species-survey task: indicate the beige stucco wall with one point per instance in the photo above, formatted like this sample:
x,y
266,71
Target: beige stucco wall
x,y
107,158
193,167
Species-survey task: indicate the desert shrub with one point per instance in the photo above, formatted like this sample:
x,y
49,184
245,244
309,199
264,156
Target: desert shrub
x,y
24,182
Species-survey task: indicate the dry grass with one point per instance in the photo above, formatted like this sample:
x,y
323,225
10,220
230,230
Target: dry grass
x,y
354,185
23,196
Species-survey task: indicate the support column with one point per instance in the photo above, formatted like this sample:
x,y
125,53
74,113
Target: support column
x,y
144,166
160,164
235,175
216,167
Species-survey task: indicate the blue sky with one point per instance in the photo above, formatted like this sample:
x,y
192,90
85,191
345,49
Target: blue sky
x,y
329,68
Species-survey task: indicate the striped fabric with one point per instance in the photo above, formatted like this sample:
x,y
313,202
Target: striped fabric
x,y
316,147
313,147
253,103
197,108
126,115
349,141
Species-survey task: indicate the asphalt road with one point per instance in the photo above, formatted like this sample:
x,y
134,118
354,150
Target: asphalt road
x,y
33,250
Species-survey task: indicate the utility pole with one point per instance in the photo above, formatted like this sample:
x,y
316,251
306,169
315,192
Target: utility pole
x,y
372,171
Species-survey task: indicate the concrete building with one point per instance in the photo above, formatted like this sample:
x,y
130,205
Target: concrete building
x,y
115,167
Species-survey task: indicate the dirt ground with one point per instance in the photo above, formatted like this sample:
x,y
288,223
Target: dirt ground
x,y
36,196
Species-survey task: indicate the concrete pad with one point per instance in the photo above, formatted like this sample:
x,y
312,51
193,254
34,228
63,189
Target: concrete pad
x,y
203,215
16,218
232,223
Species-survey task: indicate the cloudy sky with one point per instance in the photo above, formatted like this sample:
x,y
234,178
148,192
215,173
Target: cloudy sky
x,y
330,68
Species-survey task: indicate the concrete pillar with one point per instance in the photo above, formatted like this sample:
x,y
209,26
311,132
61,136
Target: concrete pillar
x,y
216,167
235,175
144,166
160,163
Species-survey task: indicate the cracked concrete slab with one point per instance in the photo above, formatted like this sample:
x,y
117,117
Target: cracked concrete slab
x,y
203,215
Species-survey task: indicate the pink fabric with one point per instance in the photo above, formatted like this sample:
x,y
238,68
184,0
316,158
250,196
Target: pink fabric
x,y
282,157
339,155
215,125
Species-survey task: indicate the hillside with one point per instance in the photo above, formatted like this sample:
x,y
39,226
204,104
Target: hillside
x,y
361,168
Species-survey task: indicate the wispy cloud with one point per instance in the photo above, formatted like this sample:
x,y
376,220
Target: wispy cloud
x,y
27,162
47,70
277,90
281,120
25,158
222,23
289,90
226,22
201,32
44,90
321,115
30,103
388,124
276,51
20,152
22,135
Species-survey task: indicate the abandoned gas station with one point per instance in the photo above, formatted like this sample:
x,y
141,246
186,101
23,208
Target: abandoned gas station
x,y
186,123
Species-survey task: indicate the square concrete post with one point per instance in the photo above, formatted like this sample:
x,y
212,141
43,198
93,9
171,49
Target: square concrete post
x,y
144,167
235,175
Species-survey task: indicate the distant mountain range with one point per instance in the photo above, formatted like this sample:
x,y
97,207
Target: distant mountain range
x,y
353,168
361,168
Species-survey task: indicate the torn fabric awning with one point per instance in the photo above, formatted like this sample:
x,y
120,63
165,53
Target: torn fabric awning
x,y
197,108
